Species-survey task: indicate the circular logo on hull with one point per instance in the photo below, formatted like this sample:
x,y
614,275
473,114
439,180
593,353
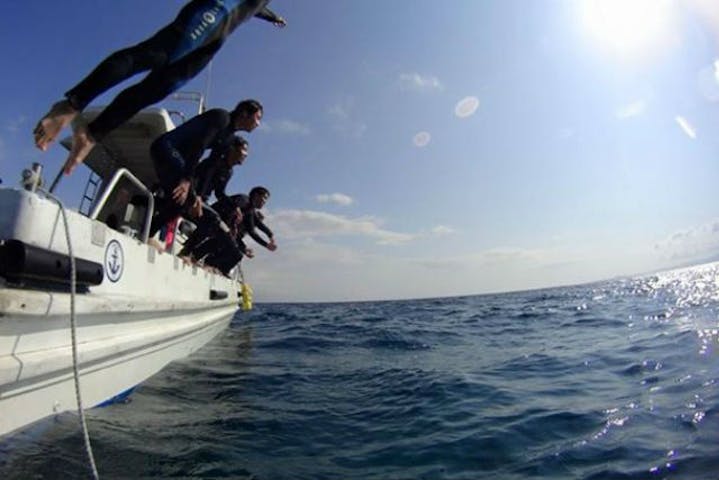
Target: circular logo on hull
x,y
114,261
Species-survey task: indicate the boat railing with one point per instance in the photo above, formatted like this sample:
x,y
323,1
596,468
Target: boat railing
x,y
196,97
145,199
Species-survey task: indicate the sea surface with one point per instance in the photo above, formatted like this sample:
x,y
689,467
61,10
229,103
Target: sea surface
x,y
611,380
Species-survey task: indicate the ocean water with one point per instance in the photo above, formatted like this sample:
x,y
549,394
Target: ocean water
x,y
613,380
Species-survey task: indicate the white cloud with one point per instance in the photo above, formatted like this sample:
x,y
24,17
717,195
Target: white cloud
x,y
309,270
419,83
340,110
691,243
566,133
289,127
15,125
342,114
631,110
336,198
686,126
310,223
421,139
466,107
316,267
442,230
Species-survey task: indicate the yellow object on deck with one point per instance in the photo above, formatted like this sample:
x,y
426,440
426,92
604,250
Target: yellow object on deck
x,y
246,292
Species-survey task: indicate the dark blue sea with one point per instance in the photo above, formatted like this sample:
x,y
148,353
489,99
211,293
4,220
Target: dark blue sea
x,y
612,380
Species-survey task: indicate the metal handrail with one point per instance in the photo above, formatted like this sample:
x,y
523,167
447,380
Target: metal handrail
x,y
192,97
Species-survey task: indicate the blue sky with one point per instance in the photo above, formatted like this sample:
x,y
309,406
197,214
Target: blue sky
x,y
420,148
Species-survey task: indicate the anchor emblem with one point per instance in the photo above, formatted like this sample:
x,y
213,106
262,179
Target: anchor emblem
x,y
114,260
114,264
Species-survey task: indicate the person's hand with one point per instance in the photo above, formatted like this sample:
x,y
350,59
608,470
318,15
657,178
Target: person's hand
x,y
280,22
272,246
249,253
179,194
196,208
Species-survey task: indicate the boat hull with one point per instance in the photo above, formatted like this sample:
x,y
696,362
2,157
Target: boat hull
x,y
149,310
40,383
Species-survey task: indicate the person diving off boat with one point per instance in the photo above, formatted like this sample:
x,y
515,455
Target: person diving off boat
x,y
176,155
214,172
223,250
174,55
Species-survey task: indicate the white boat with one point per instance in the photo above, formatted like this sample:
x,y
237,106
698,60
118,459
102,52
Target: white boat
x,y
136,309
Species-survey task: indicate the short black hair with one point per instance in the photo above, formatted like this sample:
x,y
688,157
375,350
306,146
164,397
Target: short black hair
x,y
259,190
247,107
238,142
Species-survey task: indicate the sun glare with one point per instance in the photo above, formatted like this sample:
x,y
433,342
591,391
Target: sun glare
x,y
630,28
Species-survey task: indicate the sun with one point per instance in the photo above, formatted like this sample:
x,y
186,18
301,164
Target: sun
x,y
630,29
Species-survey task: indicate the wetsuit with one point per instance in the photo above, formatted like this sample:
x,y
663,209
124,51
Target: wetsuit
x,y
177,152
224,250
208,236
212,175
174,55
230,253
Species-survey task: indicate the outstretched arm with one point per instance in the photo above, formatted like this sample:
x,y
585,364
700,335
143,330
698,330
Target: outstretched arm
x,y
219,184
272,17
255,236
271,245
249,220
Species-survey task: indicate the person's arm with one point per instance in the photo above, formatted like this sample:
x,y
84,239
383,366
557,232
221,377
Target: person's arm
x,y
249,223
260,224
201,179
272,17
243,248
264,228
219,183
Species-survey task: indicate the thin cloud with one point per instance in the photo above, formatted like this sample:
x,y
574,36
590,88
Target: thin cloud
x,y
419,83
340,110
686,127
288,127
310,223
566,133
506,257
442,230
693,242
342,115
631,110
15,125
421,139
466,107
335,198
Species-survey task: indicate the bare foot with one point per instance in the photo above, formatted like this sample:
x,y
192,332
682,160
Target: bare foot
x,y
82,145
50,126
186,259
158,245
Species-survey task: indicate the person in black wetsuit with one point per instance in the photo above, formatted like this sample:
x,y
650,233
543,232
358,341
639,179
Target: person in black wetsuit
x,y
214,172
174,55
223,250
211,175
177,152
